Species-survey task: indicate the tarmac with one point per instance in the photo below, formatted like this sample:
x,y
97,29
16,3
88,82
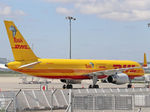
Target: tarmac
x,y
15,83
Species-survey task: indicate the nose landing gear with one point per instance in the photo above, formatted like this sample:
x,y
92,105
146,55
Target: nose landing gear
x,y
95,79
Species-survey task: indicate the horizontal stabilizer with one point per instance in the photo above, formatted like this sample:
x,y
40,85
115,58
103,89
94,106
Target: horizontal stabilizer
x,y
29,65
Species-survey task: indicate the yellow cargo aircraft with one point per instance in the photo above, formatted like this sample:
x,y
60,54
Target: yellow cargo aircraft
x,y
68,71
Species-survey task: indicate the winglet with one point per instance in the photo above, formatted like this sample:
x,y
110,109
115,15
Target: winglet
x,y
145,61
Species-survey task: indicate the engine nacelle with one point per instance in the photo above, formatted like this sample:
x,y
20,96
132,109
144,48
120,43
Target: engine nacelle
x,y
120,78
71,81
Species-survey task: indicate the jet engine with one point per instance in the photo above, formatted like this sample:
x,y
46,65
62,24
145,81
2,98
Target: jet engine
x,y
70,81
120,78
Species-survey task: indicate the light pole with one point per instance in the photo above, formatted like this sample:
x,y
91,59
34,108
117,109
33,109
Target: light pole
x,y
70,19
148,24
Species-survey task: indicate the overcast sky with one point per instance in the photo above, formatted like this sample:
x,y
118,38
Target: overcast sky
x,y
104,29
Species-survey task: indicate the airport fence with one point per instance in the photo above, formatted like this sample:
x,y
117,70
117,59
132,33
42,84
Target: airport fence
x,y
7,102
102,103
4,104
76,100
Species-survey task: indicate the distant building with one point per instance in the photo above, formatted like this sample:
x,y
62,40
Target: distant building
x,y
3,60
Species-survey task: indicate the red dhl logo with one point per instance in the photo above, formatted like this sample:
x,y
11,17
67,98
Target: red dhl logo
x,y
18,40
88,66
101,67
122,66
117,66
21,47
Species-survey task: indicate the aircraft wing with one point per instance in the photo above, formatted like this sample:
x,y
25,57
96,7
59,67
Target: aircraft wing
x,y
111,71
2,66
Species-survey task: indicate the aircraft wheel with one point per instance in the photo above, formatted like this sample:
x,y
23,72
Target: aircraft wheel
x,y
129,86
90,86
147,86
69,87
96,86
64,86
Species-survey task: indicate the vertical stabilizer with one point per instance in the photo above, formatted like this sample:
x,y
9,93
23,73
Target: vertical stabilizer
x,y
20,48
145,61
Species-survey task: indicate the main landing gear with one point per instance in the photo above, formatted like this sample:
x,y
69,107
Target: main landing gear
x,y
93,86
95,79
68,86
130,84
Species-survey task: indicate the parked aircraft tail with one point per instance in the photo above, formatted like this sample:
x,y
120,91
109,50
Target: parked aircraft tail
x,y
145,61
20,48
